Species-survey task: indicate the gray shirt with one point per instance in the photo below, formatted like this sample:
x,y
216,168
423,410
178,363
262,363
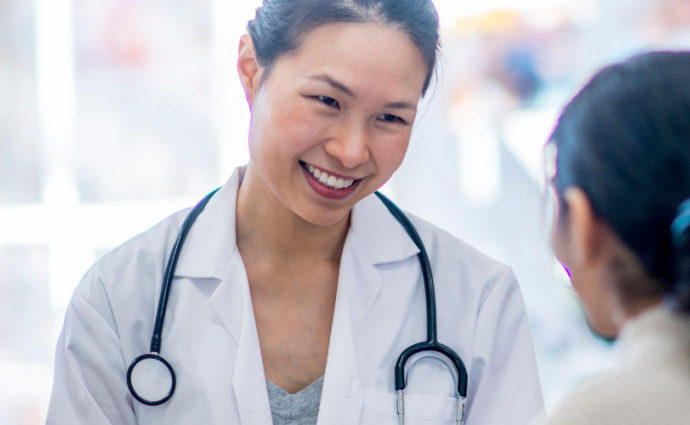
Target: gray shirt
x,y
301,408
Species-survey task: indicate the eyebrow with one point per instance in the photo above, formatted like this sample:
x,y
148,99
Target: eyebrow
x,y
400,105
335,84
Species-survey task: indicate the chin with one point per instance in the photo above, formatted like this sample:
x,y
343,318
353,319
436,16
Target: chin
x,y
323,216
327,213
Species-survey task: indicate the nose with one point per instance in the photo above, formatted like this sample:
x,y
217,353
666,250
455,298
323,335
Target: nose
x,y
350,145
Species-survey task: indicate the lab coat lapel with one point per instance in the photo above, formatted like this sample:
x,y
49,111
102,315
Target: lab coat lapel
x,y
231,302
210,251
228,298
215,254
233,305
249,381
375,237
341,399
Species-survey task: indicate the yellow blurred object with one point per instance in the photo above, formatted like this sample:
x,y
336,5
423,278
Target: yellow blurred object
x,y
495,22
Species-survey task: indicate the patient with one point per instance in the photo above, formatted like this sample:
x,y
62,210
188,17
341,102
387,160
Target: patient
x,y
623,231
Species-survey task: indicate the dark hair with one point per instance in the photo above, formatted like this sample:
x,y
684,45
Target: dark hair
x,y
281,25
625,141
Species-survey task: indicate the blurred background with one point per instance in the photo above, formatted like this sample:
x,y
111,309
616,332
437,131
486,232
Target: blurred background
x,y
116,113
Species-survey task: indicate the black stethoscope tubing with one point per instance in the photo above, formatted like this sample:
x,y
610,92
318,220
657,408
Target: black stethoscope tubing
x,y
170,271
156,339
431,343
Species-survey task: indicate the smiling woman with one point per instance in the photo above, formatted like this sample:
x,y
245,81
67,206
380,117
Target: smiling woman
x,y
295,273
314,108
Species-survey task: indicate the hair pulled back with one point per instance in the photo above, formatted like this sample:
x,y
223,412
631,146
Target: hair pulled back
x,y
280,26
625,141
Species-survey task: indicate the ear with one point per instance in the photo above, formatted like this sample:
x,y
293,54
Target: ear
x,y
584,232
248,68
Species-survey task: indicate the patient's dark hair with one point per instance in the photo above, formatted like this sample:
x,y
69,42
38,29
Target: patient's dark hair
x,y
280,26
625,141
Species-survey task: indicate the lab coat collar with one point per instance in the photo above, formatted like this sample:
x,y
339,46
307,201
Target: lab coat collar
x,y
380,235
375,237
212,240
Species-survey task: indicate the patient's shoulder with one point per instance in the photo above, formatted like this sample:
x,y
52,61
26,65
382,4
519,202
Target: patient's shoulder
x,y
630,396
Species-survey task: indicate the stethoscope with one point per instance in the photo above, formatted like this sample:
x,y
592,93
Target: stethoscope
x,y
151,379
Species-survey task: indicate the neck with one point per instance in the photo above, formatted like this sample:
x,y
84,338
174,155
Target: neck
x,y
638,307
625,312
267,230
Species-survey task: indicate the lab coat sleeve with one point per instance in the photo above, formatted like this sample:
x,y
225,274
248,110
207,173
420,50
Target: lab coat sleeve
x,y
90,386
504,383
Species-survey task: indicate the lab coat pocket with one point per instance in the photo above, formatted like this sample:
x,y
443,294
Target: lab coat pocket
x,y
380,407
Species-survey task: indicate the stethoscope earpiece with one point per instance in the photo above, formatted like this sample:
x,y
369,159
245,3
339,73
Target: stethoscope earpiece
x,y
151,379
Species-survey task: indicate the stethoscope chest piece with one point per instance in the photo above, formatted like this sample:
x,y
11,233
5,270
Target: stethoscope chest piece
x,y
151,379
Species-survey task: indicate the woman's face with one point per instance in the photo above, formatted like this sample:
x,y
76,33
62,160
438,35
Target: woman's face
x,y
332,122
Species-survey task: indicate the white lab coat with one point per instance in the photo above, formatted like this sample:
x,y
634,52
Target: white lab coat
x,y
210,338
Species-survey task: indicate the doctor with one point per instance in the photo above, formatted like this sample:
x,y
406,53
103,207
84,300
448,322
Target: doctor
x,y
296,286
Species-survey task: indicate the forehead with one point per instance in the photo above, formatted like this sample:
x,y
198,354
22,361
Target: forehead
x,y
364,57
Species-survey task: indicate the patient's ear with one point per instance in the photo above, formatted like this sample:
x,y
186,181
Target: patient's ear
x,y
585,244
584,232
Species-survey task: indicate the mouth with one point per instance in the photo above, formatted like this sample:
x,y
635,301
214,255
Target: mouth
x,y
328,184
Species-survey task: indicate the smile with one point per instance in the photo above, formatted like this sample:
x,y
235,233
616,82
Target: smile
x,y
327,180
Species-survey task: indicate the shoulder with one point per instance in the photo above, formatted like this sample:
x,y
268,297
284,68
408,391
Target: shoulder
x,y
594,403
454,257
146,248
631,396
132,269
439,241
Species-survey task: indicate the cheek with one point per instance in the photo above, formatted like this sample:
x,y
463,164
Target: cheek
x,y
281,129
597,303
578,278
559,245
389,155
588,283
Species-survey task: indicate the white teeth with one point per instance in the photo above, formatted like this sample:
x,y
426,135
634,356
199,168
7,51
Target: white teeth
x,y
331,181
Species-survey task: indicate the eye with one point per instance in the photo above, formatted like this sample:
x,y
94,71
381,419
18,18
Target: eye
x,y
328,101
391,118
